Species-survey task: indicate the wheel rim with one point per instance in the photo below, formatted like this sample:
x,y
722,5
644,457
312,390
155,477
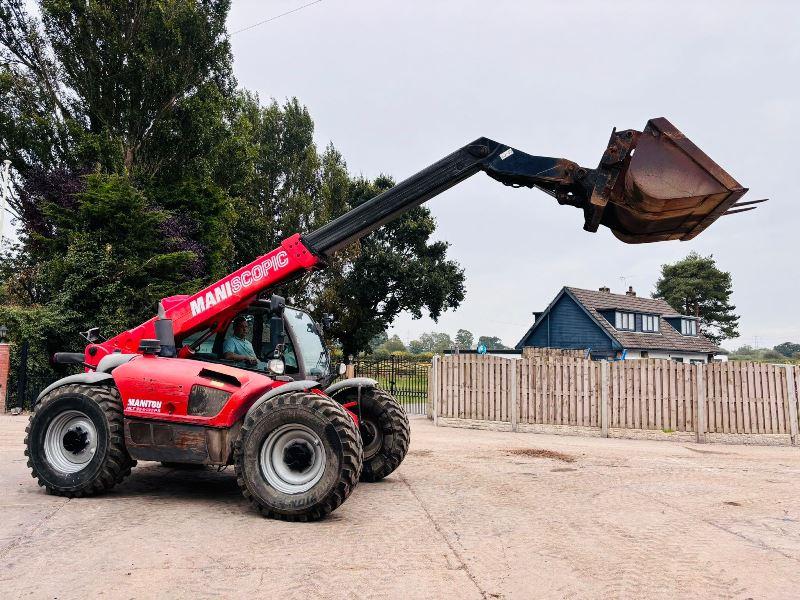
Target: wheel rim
x,y
371,437
70,442
292,459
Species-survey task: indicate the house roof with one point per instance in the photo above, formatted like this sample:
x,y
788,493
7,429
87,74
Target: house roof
x,y
667,338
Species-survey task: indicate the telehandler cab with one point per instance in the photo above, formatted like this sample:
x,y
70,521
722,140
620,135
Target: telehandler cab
x,y
165,391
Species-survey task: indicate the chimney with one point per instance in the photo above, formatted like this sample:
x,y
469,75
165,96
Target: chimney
x,y
605,289
630,291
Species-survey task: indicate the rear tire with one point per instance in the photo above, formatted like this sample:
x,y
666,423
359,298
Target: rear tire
x,y
298,456
385,434
75,442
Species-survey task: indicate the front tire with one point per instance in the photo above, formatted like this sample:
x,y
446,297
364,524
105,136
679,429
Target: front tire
x,y
298,456
75,442
385,434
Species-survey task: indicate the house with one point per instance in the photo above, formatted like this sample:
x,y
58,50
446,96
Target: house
x,y
618,326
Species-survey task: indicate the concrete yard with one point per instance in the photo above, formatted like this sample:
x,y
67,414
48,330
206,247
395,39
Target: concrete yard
x,y
470,514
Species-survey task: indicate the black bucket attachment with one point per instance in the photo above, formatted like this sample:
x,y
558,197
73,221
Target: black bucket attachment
x,y
665,187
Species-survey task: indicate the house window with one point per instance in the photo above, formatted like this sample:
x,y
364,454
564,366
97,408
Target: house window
x,y
625,320
677,359
688,327
650,323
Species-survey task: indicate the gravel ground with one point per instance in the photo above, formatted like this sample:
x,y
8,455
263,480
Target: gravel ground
x,y
470,514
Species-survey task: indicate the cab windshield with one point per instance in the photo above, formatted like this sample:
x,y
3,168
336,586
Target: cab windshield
x,y
308,342
302,345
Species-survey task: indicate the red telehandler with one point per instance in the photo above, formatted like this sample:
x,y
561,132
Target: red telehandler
x,y
165,391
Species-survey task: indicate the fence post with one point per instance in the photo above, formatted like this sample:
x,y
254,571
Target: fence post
x,y
350,367
435,383
513,395
392,376
604,398
22,375
791,388
5,365
700,421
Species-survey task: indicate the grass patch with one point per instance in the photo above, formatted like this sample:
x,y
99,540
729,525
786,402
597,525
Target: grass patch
x,y
540,453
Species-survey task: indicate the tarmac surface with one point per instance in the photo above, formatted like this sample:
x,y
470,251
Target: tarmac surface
x,y
469,514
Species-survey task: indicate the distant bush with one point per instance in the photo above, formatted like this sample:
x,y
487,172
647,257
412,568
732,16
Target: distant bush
x,y
772,355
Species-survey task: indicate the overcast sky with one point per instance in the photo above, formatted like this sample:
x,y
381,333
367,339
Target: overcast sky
x,y
397,85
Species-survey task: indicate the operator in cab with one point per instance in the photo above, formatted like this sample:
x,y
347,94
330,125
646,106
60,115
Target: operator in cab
x,y
237,347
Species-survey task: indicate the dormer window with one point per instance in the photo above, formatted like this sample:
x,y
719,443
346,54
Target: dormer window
x,y
688,327
650,323
625,321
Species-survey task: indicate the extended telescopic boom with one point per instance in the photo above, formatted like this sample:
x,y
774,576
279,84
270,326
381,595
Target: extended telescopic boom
x,y
649,186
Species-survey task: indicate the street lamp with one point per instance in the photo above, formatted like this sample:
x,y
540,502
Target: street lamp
x,y
3,333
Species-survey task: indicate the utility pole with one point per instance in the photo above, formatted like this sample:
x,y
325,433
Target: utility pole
x,y
5,183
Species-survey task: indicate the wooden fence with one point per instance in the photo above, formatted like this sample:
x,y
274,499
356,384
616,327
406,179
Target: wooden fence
x,y
732,397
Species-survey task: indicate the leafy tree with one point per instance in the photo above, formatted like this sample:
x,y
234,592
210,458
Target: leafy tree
x,y
291,187
416,347
492,342
431,342
393,344
695,286
441,342
464,339
143,172
787,349
104,267
106,110
379,340
104,82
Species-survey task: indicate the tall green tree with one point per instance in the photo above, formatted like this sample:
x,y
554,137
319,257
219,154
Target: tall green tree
x,y
292,187
464,339
117,106
696,286
101,105
431,342
787,349
103,83
492,342
393,344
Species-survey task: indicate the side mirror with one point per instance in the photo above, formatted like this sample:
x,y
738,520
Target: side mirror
x,y
276,366
342,368
92,336
276,304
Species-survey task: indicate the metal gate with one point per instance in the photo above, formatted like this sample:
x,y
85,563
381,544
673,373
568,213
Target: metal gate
x,y
405,378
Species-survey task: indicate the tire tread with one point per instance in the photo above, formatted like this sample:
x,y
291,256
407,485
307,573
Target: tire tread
x,y
117,464
351,453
